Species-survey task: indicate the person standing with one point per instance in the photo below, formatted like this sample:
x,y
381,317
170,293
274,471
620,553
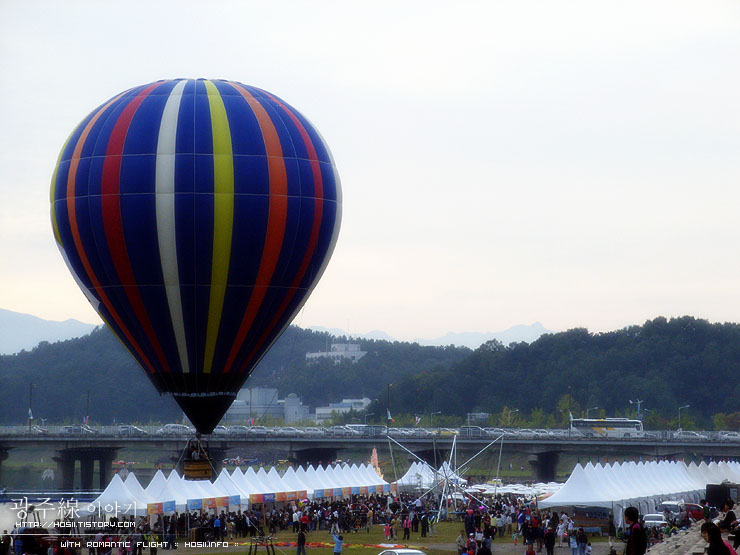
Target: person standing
x,y
301,542
636,538
612,531
461,542
573,541
582,541
407,528
338,543
549,540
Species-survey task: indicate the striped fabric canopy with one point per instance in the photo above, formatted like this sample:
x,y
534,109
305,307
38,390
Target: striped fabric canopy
x,y
196,216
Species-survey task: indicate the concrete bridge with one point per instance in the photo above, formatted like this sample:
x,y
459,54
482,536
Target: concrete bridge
x,y
543,452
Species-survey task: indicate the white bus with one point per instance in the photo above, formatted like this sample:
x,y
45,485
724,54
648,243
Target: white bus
x,y
606,427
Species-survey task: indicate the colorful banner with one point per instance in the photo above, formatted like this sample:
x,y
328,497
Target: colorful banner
x,y
318,493
235,500
209,503
386,488
346,492
337,492
378,489
195,504
281,496
222,501
355,491
291,495
268,498
154,508
168,507
394,487
256,498
363,490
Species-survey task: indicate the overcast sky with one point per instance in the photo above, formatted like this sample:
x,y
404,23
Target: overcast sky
x,y
574,163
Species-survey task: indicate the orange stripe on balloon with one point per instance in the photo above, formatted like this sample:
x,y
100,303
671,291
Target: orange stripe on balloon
x,y
315,228
79,247
276,220
113,223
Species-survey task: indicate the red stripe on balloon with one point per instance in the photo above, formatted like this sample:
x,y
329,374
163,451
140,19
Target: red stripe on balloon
x,y
276,220
318,184
113,223
80,248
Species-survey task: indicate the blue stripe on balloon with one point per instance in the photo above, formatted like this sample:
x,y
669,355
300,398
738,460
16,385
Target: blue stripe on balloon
x,y
185,239
97,141
185,132
328,178
251,175
246,137
202,122
139,138
321,152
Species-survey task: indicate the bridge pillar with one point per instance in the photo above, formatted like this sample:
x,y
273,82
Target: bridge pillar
x,y
105,462
66,470
3,456
544,465
87,466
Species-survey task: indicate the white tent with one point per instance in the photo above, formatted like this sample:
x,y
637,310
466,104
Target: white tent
x,y
226,483
644,485
118,499
133,485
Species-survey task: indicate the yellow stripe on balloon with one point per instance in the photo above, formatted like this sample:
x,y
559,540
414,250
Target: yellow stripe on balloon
x,y
223,217
53,191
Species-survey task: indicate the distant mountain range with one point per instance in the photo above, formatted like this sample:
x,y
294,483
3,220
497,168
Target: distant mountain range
x,y
23,331
473,340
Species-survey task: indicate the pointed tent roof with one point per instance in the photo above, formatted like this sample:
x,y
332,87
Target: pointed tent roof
x,y
134,486
226,483
116,494
156,484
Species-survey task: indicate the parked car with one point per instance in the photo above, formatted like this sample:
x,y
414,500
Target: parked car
x,y
220,431
728,436
259,431
78,430
131,430
174,429
313,432
38,430
288,431
401,552
691,436
238,430
655,521
695,511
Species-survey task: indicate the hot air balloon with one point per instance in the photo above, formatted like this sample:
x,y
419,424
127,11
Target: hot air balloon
x,y
196,216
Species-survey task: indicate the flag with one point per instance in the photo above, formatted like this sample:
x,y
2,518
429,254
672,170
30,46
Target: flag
x,y
389,415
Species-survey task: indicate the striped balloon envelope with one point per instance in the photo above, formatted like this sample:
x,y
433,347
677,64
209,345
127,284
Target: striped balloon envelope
x,y
196,216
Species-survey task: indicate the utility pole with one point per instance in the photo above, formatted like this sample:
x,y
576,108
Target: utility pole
x,y
639,403
388,409
31,387
87,409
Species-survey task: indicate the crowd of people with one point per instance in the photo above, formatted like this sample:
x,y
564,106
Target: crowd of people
x,y
483,520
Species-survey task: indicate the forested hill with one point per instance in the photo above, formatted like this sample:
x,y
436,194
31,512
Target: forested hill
x,y
666,363
64,372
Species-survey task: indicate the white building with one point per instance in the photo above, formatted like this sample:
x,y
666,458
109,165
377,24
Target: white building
x,y
324,414
338,352
262,402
